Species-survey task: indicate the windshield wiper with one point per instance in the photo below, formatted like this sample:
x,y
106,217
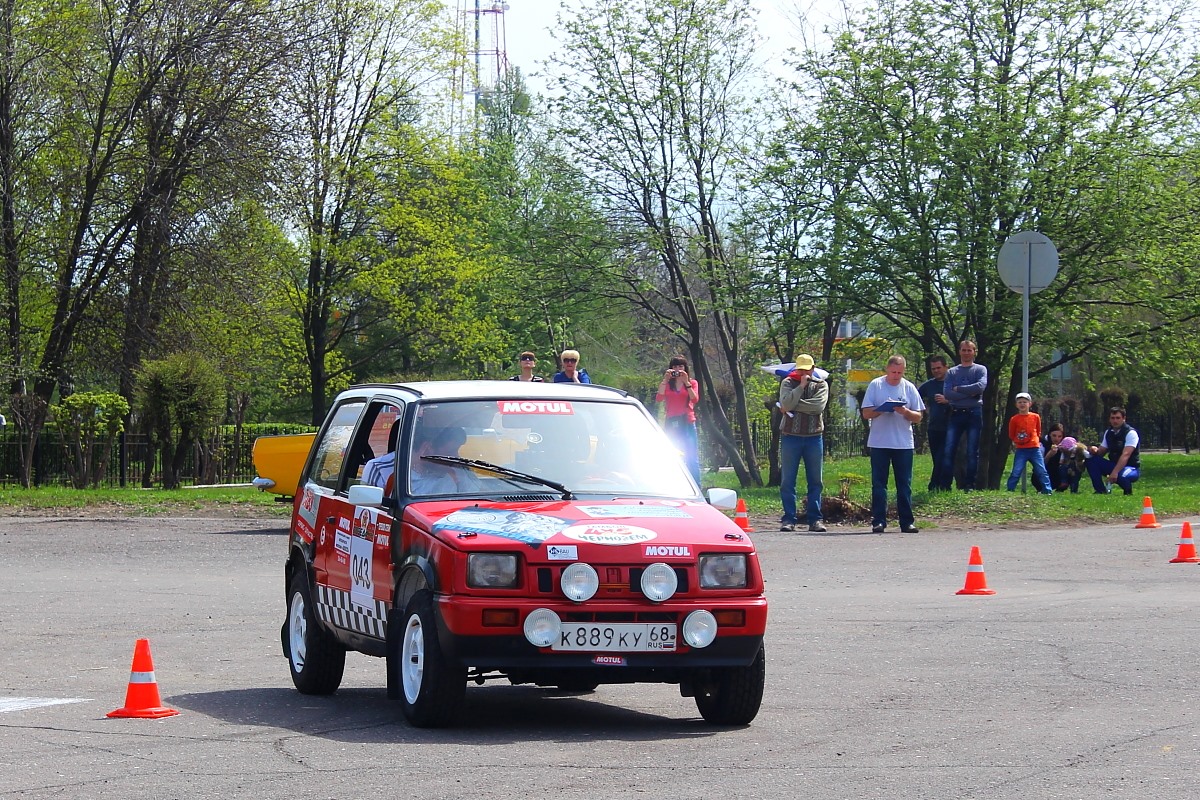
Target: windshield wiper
x,y
499,470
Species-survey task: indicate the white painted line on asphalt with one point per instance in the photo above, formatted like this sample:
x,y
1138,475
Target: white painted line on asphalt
x,y
26,703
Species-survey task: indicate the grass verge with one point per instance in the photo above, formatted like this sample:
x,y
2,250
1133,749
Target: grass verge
x,y
230,501
1171,480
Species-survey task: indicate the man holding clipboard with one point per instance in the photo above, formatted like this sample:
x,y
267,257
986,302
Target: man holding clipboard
x,y
892,405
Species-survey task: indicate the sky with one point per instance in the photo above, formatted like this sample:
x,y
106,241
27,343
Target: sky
x,y
528,43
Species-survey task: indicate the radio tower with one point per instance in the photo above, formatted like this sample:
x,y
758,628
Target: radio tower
x,y
489,53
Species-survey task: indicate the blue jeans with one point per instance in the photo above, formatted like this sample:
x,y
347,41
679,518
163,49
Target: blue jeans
x,y
937,452
1031,455
793,449
900,463
1099,466
970,422
683,434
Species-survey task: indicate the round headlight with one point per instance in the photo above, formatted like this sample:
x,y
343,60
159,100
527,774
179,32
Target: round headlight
x,y
659,582
542,627
579,582
699,629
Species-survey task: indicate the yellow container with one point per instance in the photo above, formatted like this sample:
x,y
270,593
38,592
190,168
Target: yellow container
x,y
279,460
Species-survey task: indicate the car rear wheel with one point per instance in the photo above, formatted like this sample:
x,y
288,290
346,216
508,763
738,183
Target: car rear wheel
x,y
432,690
316,661
735,693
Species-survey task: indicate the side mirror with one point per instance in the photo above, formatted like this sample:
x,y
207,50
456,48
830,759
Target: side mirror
x,y
363,494
722,498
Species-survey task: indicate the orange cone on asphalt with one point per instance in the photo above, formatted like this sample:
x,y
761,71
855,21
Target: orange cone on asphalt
x,y
141,699
742,517
1148,519
1187,547
976,579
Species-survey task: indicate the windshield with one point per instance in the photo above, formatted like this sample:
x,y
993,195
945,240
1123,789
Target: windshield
x,y
586,446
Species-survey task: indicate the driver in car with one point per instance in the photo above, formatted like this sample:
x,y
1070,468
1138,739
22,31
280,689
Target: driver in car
x,y
428,477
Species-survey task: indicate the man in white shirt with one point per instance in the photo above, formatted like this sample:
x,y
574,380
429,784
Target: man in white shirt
x,y
1117,459
892,405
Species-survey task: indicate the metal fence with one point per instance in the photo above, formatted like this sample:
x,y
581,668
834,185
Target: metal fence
x,y
222,457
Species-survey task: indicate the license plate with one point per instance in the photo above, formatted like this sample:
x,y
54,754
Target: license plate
x,y
616,637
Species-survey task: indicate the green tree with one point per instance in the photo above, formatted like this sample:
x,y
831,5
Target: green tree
x,y
947,127
361,72
179,398
653,106
87,421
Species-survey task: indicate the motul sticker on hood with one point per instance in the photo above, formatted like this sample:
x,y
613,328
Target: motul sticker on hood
x,y
520,526
609,533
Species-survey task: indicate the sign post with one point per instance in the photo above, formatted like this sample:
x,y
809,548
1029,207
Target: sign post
x,y
1028,263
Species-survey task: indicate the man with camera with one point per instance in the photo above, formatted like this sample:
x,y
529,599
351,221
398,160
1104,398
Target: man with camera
x,y
802,401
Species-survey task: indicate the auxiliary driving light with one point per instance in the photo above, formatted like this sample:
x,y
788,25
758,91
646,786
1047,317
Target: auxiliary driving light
x,y
659,582
543,625
699,629
579,582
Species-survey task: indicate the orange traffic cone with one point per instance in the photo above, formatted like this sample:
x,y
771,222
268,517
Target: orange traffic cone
x,y
1187,547
1148,519
141,699
741,517
976,579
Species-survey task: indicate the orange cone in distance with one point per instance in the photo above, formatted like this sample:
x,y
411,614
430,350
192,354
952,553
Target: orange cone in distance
x,y
1148,519
742,517
976,579
141,699
1187,547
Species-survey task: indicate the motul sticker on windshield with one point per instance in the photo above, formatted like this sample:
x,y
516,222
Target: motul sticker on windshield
x,y
609,534
535,407
611,512
520,526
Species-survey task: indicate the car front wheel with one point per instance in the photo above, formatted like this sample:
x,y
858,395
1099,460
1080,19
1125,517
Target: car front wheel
x,y
735,693
432,690
316,661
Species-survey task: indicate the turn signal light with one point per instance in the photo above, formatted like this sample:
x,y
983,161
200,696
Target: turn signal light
x,y
731,618
499,617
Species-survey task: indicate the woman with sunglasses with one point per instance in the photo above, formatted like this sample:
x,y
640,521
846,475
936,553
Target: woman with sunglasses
x,y
570,369
528,362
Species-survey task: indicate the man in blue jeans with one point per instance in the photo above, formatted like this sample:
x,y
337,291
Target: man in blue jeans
x,y
1117,459
892,405
802,401
963,392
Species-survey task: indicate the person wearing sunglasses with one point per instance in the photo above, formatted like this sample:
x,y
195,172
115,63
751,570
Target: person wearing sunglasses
x,y
570,369
528,362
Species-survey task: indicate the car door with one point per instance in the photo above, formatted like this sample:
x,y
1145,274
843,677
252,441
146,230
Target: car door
x,y
353,552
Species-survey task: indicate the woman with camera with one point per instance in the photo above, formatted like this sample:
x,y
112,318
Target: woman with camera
x,y
680,394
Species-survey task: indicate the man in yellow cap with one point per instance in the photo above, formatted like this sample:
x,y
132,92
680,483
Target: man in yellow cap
x,y
802,401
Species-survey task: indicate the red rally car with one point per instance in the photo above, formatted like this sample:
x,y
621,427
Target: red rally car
x,y
539,533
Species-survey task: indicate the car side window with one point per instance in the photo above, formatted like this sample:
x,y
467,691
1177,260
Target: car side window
x,y
374,450
335,441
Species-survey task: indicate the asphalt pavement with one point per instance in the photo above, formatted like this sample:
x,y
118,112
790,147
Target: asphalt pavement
x,y
1075,680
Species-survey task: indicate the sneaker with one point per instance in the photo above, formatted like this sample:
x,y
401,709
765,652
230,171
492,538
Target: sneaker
x,y
877,527
817,527
787,526
1129,491
909,529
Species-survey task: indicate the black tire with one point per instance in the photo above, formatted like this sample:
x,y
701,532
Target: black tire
x,y
432,690
315,659
736,693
